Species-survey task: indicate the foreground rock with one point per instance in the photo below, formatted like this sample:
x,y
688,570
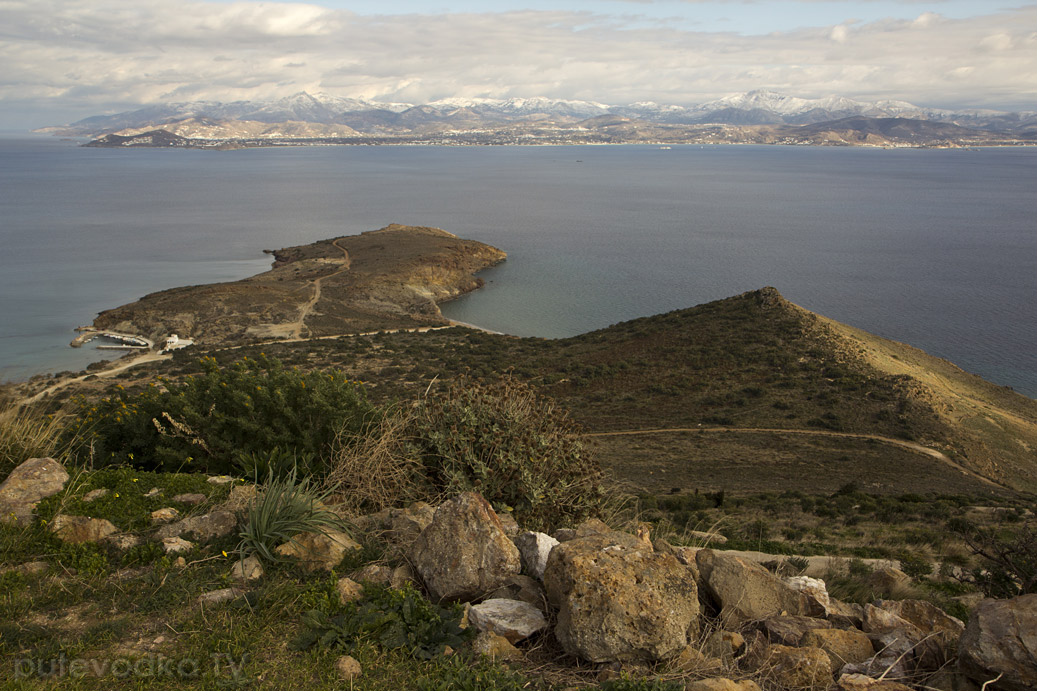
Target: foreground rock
x,y
618,599
744,591
348,668
28,484
513,619
796,668
1001,639
464,553
317,551
535,548
203,528
80,529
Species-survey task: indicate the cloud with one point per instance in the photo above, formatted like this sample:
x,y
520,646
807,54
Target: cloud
x,y
91,55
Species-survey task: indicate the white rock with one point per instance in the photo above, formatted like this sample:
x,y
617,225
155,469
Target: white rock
x,y
534,549
513,619
812,587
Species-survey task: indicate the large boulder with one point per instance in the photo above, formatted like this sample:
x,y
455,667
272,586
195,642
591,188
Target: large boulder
x,y
28,484
932,621
464,553
928,637
1001,639
744,591
618,599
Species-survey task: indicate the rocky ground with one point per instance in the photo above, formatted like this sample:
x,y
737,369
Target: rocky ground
x,y
588,606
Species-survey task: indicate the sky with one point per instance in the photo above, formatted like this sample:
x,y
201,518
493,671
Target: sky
x,y
62,60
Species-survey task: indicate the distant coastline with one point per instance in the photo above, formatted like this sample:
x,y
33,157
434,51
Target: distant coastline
x,y
858,132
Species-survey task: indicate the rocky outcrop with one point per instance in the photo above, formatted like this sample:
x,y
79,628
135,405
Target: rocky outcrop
x,y
464,554
28,484
1001,641
618,599
382,279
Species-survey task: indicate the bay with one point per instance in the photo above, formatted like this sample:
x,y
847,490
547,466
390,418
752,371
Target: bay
x,y
936,248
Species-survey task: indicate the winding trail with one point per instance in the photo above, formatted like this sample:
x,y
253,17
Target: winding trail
x,y
900,443
151,356
294,329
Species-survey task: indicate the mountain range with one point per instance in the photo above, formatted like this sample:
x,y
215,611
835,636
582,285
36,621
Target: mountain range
x,y
343,117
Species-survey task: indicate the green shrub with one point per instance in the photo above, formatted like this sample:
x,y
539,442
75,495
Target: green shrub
x,y
208,420
516,448
274,463
915,566
391,617
283,508
1008,557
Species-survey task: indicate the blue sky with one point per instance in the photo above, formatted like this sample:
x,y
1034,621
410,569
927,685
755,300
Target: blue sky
x,y
62,60
740,16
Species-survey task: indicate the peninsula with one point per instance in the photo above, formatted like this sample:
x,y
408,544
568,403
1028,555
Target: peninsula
x,y
387,279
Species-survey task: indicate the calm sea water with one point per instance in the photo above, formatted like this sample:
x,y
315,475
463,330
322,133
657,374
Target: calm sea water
x,y
934,248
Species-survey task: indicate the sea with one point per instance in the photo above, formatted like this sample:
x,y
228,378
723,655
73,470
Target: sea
x,y
935,248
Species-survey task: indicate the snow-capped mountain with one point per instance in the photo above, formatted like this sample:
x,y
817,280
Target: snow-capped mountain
x,y
759,107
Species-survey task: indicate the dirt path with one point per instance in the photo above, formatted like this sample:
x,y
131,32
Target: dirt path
x,y
150,356
911,446
293,330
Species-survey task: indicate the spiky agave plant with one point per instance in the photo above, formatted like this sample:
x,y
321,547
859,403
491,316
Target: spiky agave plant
x,y
284,508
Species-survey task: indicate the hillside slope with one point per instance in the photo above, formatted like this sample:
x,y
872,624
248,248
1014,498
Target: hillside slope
x,y
748,393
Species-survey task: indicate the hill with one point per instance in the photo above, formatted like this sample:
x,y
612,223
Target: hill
x,y
745,394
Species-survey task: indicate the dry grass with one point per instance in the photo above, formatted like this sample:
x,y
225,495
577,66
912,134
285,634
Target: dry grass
x,y
375,471
25,433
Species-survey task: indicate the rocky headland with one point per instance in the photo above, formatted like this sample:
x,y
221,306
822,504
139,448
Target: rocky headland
x,y
388,279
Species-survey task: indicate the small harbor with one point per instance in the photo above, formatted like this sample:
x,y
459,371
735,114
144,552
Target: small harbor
x,y
118,341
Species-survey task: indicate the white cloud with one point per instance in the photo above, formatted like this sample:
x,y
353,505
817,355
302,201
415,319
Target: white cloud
x,y
88,55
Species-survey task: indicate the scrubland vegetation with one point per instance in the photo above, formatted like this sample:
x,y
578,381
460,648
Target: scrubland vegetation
x,y
362,424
